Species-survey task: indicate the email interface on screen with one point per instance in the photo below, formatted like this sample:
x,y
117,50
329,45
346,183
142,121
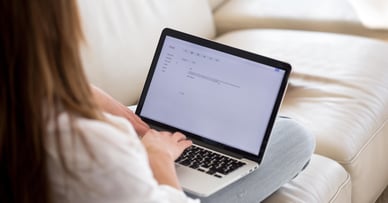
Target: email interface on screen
x,y
212,94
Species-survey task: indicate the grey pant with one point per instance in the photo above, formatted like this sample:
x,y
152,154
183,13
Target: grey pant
x,y
288,152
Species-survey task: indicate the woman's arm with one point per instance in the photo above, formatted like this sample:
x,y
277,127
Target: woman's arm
x,y
163,148
112,106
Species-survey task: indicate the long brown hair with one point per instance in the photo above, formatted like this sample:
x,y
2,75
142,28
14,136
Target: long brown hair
x,y
40,71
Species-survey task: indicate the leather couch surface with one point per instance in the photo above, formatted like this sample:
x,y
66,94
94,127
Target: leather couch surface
x,y
339,91
121,38
336,16
323,180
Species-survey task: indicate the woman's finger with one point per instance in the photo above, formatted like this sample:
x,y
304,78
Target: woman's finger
x,y
179,136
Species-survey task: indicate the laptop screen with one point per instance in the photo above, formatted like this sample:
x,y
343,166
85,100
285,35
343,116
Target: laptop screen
x,y
216,95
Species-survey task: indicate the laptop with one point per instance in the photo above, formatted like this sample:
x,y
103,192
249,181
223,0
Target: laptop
x,y
222,98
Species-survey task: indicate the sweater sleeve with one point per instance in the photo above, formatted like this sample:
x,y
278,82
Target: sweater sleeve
x,y
110,165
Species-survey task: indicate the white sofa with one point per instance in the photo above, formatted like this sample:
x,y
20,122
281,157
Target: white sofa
x,y
338,89
337,16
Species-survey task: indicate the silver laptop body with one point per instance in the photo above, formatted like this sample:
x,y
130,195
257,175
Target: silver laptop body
x,y
224,99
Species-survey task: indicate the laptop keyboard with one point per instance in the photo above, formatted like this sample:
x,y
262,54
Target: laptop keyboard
x,y
208,161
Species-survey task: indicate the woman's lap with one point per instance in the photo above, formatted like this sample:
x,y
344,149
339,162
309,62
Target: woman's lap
x,y
288,151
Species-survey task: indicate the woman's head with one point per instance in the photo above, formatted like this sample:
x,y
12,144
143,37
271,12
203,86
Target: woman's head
x,y
40,71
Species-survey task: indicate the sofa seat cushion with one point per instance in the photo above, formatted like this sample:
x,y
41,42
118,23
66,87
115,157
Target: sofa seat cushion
x,y
319,15
339,91
323,180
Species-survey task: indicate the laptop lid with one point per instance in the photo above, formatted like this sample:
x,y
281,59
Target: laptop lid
x,y
215,94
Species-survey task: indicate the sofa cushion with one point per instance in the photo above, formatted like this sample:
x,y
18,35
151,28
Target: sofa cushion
x,y
318,15
121,37
216,3
323,180
339,91
384,197
372,13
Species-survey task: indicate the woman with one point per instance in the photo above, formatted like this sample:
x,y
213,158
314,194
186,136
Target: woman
x,y
57,145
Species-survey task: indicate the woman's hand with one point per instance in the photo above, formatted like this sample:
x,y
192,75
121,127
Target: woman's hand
x,y
163,149
165,143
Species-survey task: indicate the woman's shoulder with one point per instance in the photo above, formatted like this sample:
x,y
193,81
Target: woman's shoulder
x,y
107,156
112,125
107,138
